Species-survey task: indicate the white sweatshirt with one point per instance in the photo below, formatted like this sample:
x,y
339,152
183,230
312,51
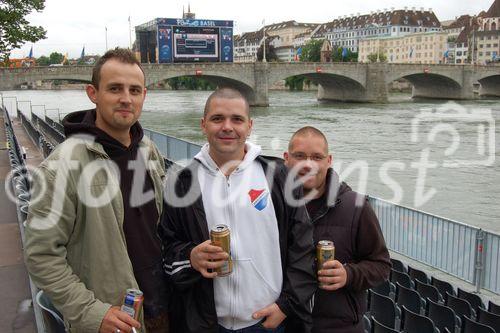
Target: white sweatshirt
x,y
243,202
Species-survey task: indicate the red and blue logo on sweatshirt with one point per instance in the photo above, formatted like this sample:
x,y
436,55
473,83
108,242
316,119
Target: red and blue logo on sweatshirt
x,y
258,198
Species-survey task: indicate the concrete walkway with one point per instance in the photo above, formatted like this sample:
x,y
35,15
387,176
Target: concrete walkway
x,y
16,304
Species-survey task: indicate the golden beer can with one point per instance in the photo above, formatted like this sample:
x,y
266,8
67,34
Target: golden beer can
x,y
325,251
220,236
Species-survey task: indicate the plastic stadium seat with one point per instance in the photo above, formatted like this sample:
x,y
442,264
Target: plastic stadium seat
x,y
416,274
383,309
52,317
381,328
387,289
474,300
398,265
409,298
412,322
461,307
428,291
493,308
403,279
443,287
470,326
489,319
442,316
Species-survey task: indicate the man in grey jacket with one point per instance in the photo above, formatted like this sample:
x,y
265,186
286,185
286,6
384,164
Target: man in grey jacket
x,y
91,230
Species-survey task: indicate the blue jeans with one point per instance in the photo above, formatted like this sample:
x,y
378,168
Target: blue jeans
x,y
257,328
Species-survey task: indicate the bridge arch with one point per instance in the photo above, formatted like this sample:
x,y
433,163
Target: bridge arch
x,y
429,85
340,82
489,83
220,81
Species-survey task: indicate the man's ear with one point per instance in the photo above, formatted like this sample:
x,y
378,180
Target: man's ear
x,y
285,157
91,93
202,125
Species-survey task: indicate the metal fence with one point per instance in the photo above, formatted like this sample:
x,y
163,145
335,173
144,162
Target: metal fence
x,y
173,149
21,187
461,250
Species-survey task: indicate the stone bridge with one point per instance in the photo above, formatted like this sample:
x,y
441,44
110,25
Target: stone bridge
x,y
353,82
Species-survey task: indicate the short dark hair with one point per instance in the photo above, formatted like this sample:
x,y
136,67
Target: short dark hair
x,y
123,55
305,131
225,93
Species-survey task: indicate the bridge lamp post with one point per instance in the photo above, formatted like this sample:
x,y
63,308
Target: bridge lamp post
x,y
264,39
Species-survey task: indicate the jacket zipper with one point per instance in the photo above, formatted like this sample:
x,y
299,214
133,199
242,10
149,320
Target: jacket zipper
x,y
325,212
232,277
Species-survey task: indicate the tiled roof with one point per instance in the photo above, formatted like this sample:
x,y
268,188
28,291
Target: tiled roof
x,y
403,17
460,22
288,24
494,10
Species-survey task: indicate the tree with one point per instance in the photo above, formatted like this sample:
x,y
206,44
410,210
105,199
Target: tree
x,y
312,51
56,58
372,57
270,52
43,61
15,30
295,82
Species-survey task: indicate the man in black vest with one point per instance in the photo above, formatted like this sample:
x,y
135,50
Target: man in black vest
x,y
345,217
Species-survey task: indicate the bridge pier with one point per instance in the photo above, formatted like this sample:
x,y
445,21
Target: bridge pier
x,y
261,92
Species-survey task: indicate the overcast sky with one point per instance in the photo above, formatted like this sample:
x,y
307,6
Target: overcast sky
x,y
72,24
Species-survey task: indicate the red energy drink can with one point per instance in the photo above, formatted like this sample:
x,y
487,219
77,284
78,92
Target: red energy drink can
x,y
132,303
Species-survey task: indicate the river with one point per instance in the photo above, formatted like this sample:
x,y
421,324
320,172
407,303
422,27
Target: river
x,y
421,154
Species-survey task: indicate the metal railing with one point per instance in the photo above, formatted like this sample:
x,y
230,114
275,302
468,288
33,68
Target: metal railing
x,y
458,249
173,149
21,187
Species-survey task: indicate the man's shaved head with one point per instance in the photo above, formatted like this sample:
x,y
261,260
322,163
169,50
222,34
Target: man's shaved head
x,y
308,131
226,93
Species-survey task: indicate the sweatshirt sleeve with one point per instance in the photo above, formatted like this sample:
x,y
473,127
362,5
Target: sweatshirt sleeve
x,y
372,263
177,243
48,230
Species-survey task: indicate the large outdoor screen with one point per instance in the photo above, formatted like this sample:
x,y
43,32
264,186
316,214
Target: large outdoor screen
x,y
195,44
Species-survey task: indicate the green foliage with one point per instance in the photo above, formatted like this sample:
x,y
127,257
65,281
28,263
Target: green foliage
x,y
312,51
372,57
15,30
56,58
43,61
190,83
295,82
350,56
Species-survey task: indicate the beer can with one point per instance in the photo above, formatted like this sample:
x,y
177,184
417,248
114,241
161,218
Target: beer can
x,y
325,251
220,236
132,303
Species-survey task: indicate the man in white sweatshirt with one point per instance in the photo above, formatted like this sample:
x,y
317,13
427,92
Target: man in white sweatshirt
x,y
230,183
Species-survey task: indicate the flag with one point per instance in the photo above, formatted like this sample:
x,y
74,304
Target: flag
x,y
411,52
82,55
31,52
344,52
298,54
446,53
